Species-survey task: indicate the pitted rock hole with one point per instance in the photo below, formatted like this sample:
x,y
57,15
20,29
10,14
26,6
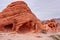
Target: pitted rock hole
x,y
8,27
26,27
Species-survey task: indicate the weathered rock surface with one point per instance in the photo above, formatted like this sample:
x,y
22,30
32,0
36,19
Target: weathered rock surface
x,y
17,17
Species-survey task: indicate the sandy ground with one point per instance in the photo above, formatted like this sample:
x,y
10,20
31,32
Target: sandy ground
x,y
39,36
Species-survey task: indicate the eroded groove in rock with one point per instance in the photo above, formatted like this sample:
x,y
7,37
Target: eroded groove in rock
x,y
26,27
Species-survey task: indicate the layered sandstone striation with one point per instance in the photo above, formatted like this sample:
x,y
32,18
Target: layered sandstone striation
x,y
17,17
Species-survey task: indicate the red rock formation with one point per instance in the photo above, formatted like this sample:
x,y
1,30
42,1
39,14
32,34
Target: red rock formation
x,y
18,17
52,23
52,26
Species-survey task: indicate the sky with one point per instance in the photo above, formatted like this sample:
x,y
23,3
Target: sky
x,y
43,9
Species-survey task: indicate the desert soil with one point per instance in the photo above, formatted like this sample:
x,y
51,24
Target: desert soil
x,y
38,36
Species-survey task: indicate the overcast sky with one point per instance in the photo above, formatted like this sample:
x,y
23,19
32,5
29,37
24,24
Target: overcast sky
x,y
43,9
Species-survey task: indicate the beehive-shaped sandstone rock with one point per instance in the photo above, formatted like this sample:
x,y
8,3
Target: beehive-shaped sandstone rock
x,y
18,17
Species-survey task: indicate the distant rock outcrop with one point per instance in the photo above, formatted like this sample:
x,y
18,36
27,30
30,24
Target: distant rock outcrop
x,y
52,25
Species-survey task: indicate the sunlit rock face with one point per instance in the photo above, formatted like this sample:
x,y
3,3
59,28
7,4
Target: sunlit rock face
x,y
17,17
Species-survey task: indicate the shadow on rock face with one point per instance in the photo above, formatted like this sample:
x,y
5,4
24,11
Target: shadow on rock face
x,y
26,27
8,27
